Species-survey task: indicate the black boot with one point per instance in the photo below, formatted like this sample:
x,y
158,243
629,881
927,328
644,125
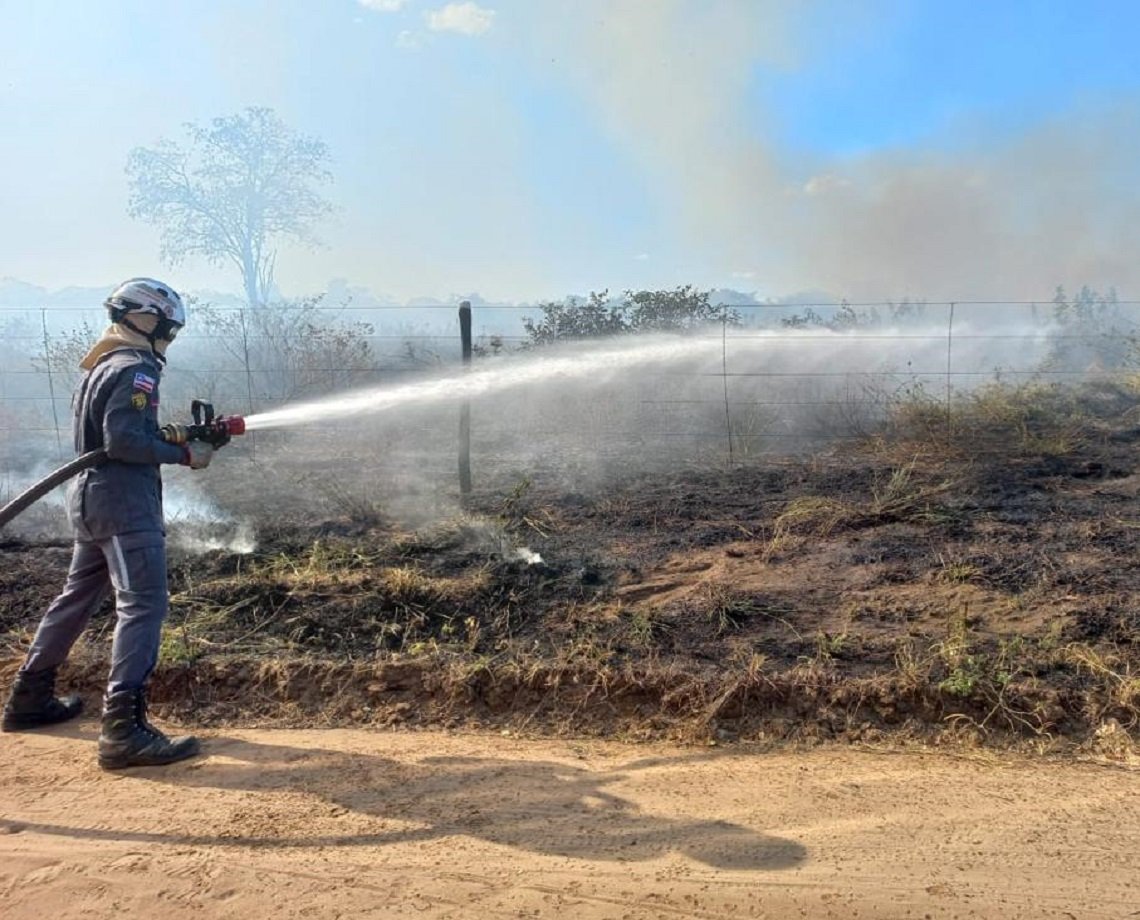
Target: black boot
x,y
33,702
129,740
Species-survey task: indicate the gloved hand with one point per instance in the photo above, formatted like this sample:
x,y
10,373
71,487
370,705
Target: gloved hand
x,y
197,454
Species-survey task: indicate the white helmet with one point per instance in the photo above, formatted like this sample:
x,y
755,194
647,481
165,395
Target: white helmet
x,y
145,295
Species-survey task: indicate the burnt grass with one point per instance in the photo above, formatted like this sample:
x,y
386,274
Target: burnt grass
x,y
970,576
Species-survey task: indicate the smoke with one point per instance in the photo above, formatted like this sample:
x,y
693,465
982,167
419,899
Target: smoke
x,y
667,79
996,217
579,415
196,525
979,211
44,520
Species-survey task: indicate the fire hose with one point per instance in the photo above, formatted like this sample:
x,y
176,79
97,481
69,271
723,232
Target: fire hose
x,y
214,431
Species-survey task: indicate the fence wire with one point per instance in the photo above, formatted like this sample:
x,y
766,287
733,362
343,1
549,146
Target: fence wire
x,y
781,377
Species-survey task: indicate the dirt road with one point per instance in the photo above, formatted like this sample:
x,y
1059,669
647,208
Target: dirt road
x,y
362,823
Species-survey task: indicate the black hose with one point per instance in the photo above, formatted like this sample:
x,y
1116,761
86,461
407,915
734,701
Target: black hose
x,y
45,485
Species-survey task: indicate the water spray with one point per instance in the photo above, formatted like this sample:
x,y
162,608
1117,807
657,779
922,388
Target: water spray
x,y
215,431
486,380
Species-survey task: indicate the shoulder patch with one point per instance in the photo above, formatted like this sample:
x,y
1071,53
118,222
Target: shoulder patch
x,y
144,383
138,400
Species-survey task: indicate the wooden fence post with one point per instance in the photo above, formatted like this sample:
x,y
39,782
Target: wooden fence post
x,y
465,408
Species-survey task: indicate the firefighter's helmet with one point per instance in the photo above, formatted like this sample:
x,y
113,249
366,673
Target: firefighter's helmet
x,y
145,295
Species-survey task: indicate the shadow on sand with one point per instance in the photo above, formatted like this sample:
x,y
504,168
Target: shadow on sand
x,y
545,807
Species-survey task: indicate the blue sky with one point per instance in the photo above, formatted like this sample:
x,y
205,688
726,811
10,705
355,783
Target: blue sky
x,y
532,148
926,65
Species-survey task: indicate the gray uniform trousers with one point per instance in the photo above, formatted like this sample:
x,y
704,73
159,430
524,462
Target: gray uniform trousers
x,y
134,564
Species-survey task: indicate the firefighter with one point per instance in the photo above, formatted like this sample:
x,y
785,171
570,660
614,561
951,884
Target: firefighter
x,y
115,510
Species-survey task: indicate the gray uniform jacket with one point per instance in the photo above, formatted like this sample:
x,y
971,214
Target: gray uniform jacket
x,y
116,407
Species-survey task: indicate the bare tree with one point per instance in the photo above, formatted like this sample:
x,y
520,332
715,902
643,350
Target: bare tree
x,y
238,186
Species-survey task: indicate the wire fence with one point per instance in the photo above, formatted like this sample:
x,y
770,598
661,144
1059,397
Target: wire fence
x,y
768,377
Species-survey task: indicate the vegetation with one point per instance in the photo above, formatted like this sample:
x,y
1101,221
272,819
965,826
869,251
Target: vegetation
x,y
1093,332
237,187
285,350
948,567
845,316
899,587
598,316
60,355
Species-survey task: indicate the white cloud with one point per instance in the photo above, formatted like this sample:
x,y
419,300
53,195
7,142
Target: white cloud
x,y
383,6
408,41
467,18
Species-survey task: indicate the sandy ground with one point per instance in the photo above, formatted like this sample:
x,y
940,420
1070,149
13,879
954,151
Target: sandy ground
x,y
358,823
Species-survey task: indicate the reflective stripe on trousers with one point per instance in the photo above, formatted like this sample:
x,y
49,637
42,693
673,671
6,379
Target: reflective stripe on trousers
x,y
134,566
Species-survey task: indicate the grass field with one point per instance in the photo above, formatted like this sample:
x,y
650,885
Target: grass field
x,y
968,572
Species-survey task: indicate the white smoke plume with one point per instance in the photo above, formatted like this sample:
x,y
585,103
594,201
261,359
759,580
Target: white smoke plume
x,y
978,212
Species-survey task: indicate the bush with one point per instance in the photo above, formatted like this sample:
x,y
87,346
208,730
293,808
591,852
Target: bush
x,y
283,351
682,309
